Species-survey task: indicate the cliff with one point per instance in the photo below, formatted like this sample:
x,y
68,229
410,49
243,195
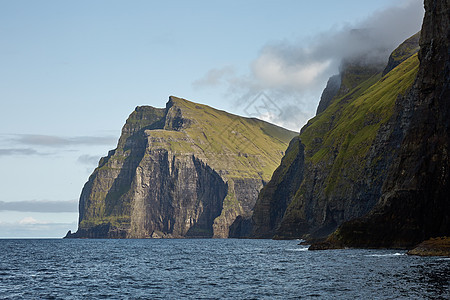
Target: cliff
x,y
414,205
403,52
334,171
184,171
432,247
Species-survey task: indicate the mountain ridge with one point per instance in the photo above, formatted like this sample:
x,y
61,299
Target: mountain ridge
x,y
186,170
373,165
340,159
414,205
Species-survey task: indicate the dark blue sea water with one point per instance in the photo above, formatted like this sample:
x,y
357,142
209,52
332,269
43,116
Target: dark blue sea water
x,y
212,269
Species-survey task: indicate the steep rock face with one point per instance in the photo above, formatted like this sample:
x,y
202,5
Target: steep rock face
x,y
352,73
328,94
177,196
184,171
275,197
403,52
415,205
101,197
432,247
344,152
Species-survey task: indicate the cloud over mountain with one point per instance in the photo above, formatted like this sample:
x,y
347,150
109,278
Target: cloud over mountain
x,y
293,73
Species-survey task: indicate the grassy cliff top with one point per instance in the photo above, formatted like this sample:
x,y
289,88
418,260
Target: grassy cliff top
x,y
345,131
359,113
404,51
233,145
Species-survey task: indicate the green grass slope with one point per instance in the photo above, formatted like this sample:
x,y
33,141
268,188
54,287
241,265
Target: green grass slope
x,y
358,121
337,144
242,147
335,184
243,151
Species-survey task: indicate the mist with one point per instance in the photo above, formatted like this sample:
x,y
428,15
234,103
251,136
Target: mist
x,y
294,73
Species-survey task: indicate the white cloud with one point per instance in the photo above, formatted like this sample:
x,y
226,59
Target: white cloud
x,y
37,227
87,159
275,72
32,221
50,230
214,77
294,73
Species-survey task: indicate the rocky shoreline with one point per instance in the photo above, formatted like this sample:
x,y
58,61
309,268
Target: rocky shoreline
x,y
439,246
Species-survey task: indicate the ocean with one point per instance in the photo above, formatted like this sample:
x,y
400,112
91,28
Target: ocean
x,y
212,269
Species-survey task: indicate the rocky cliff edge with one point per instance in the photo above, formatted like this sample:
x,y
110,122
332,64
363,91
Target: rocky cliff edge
x,y
184,171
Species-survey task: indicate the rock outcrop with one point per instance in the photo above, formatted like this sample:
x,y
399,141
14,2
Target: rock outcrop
x,y
329,93
184,171
433,247
275,197
403,52
414,204
334,171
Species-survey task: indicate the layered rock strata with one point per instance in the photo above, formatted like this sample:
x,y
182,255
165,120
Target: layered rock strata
x,y
414,205
334,171
184,171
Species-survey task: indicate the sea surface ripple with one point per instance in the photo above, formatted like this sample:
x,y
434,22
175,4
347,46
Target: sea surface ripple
x,y
212,269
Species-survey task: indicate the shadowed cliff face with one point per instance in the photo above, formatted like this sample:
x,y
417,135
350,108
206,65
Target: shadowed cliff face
x,y
174,196
105,195
336,171
415,205
403,52
275,197
184,171
375,158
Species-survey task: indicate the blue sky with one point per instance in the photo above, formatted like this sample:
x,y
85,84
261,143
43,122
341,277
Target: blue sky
x,y
72,71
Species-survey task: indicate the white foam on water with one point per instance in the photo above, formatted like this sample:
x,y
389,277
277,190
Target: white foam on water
x,y
386,255
298,249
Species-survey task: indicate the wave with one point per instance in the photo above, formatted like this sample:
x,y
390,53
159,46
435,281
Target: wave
x,y
386,255
297,249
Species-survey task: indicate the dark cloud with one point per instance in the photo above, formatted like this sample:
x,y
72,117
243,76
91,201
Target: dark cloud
x,y
57,141
40,206
295,73
34,144
19,151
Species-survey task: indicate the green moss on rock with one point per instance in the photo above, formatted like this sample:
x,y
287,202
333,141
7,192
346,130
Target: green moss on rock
x,y
166,176
340,170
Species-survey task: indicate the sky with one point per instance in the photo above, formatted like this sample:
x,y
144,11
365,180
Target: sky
x,y
71,72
